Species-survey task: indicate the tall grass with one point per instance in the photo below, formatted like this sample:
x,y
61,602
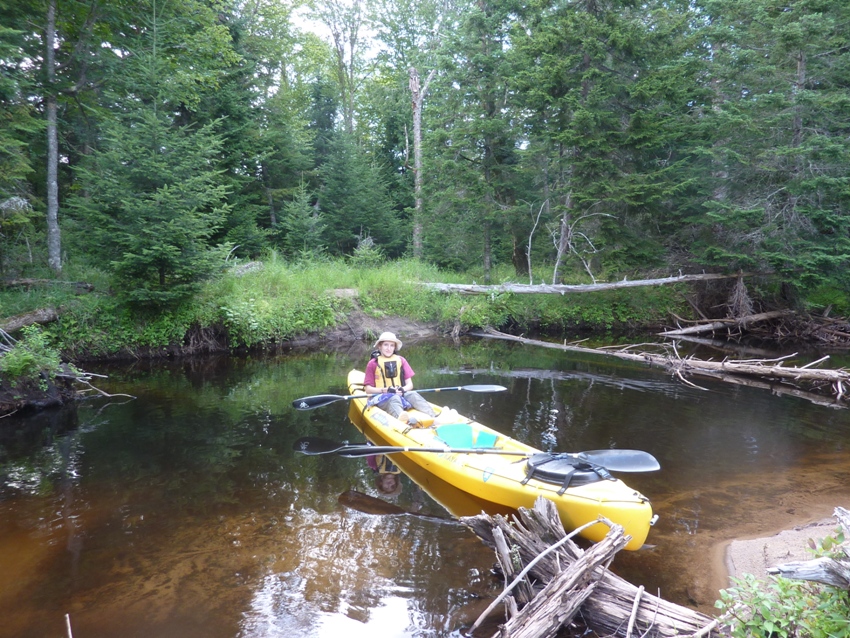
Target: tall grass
x,y
275,300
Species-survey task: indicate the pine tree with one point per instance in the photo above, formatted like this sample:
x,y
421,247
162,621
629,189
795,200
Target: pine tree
x,y
302,227
355,202
151,197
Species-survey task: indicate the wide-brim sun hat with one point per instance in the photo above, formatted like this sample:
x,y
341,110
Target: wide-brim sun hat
x,y
388,336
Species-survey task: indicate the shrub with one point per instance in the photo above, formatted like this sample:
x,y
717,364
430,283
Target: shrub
x,y
30,356
785,608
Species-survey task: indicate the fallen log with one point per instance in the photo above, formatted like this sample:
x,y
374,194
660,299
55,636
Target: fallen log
x,y
562,289
829,570
727,324
807,378
40,316
11,283
613,607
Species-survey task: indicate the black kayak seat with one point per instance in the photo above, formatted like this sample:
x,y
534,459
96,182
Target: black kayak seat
x,y
565,470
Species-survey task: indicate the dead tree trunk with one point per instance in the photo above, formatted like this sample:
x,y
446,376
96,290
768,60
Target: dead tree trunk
x,y
725,324
41,316
561,289
54,252
417,95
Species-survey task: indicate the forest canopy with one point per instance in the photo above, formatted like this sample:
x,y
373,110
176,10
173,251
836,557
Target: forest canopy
x,y
577,140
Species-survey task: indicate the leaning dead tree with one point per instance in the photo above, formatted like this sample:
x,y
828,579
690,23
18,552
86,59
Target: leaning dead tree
x,y
830,570
829,387
552,582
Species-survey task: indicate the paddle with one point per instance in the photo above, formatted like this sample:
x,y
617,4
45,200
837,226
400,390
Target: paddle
x,y
613,460
321,400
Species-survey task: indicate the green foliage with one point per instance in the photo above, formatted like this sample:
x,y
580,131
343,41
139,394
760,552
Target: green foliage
x,y
787,608
356,202
367,254
30,356
152,204
302,227
18,121
280,300
151,195
663,135
827,296
18,126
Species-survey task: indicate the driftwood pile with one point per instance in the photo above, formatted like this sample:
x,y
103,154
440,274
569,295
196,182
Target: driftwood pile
x,y
778,326
829,570
560,584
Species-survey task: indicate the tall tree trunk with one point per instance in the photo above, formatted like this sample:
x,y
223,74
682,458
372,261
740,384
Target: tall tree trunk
x,y
417,97
269,195
54,249
797,131
488,259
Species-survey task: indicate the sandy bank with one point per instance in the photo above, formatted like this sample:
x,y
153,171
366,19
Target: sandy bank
x,y
754,556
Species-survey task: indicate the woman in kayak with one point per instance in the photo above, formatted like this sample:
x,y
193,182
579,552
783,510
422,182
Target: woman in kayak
x,y
390,378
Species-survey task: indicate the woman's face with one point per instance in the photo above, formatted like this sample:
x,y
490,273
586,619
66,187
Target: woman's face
x,y
387,348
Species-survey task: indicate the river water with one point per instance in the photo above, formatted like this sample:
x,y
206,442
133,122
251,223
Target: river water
x,y
184,511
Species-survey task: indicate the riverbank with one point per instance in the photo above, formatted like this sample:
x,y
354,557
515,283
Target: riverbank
x,y
29,395
756,555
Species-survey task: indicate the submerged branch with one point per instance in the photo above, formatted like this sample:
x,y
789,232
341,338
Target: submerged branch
x,y
829,387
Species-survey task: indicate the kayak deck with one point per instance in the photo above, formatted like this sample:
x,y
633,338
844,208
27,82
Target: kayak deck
x,y
496,471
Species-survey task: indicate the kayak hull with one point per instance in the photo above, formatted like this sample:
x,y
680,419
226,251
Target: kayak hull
x,y
468,483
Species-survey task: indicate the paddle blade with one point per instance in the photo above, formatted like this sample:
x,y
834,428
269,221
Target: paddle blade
x,y
484,388
622,460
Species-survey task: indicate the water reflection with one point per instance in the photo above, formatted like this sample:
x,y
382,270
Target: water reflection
x,y
185,512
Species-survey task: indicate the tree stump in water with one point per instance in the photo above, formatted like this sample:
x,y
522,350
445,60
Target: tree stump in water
x,y
567,579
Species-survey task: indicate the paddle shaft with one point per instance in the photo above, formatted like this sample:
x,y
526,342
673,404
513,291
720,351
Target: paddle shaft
x,y
321,400
616,460
356,451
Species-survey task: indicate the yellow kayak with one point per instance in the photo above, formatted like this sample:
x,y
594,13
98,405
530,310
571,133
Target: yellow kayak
x,y
505,475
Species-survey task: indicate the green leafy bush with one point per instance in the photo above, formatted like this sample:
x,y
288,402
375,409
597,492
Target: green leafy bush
x,y
784,608
30,356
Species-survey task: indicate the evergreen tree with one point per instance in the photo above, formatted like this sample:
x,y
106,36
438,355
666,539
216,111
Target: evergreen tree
x,y
355,202
18,126
151,195
608,90
781,116
473,175
153,202
302,227
322,119
17,117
